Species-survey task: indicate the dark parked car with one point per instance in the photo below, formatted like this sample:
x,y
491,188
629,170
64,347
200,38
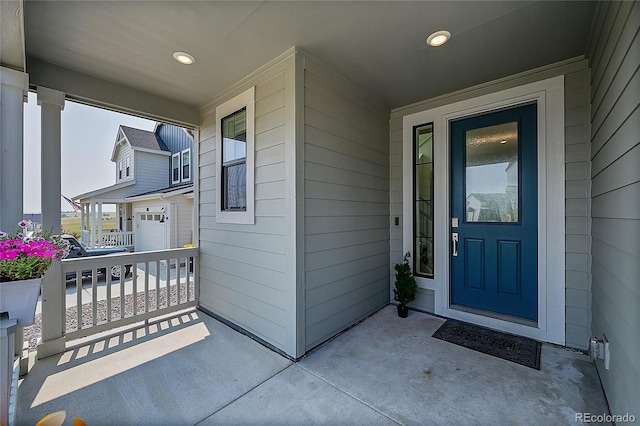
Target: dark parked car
x,y
76,250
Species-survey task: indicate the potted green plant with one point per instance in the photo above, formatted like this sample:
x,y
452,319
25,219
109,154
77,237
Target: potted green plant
x,y
406,286
24,258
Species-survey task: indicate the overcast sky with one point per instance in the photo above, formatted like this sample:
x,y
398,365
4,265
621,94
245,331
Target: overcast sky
x,y
88,136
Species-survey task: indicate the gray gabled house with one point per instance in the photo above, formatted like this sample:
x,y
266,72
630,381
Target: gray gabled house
x,y
331,140
153,191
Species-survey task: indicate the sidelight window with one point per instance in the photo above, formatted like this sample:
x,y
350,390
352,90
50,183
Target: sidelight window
x,y
423,200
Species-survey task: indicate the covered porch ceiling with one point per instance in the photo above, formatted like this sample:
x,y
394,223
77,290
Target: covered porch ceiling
x,y
378,46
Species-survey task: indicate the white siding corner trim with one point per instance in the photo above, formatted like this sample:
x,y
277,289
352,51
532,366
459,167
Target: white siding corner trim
x,y
549,95
245,99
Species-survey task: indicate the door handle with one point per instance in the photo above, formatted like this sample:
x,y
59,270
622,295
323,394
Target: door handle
x,y
454,243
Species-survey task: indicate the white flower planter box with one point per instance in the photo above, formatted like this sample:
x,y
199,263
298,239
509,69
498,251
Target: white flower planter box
x,y
19,299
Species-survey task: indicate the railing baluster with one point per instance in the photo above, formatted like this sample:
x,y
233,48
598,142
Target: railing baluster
x,y
157,285
178,299
94,297
121,293
108,279
146,286
186,277
168,282
79,299
134,293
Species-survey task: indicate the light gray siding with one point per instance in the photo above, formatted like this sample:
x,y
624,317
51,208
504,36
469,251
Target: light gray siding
x,y
124,152
245,276
614,58
346,205
150,171
577,167
576,186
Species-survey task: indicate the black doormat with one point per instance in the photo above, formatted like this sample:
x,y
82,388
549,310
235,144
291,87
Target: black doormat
x,y
520,350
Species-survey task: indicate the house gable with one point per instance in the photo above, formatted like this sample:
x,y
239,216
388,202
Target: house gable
x,y
135,146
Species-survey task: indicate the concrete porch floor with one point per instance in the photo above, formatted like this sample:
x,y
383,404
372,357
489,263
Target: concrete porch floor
x,y
192,370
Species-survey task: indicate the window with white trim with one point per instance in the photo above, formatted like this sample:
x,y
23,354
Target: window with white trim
x,y
120,169
128,166
175,168
235,159
186,165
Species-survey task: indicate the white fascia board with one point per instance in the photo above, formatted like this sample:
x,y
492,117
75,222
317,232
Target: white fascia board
x,y
103,191
118,143
159,195
151,151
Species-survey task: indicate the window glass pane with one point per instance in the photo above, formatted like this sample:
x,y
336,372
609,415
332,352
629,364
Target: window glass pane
x,y
234,136
424,147
491,175
235,195
186,168
423,203
234,157
424,182
175,168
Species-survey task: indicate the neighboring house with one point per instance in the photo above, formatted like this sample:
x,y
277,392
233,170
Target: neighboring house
x,y
153,192
491,208
308,182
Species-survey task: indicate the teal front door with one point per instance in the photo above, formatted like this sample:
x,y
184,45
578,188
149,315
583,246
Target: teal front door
x,y
494,212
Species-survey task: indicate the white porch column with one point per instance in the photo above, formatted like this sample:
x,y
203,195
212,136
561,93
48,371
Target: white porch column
x,y
51,105
92,217
100,224
13,94
82,218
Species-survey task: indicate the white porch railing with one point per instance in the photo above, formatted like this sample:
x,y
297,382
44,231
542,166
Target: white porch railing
x,y
108,239
117,239
160,282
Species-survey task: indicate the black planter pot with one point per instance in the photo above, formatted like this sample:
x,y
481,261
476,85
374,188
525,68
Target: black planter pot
x,y
403,311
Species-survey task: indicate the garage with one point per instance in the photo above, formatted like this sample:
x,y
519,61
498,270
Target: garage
x,y
150,230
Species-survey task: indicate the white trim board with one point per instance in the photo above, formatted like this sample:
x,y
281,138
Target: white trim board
x,y
549,95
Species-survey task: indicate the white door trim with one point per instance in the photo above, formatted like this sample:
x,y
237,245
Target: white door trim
x,y
549,95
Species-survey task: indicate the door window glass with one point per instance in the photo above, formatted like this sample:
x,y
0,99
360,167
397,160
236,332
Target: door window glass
x,y
491,173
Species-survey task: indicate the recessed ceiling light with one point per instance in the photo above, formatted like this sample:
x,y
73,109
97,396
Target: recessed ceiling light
x,y
184,58
438,38
503,141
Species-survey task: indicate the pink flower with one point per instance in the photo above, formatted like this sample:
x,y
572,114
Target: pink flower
x,y
9,254
22,224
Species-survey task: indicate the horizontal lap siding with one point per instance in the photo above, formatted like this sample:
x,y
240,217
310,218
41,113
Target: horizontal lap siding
x,y
244,267
615,191
346,189
185,220
151,171
577,165
124,152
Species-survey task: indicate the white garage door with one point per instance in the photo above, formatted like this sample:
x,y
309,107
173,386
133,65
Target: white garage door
x,y
150,231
